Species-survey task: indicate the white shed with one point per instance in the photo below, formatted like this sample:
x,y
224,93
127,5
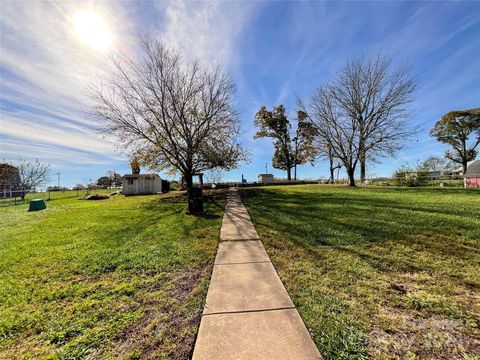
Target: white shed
x,y
137,184
265,178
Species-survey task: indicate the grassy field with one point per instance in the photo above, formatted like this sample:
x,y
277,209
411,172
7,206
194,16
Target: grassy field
x,y
379,273
119,278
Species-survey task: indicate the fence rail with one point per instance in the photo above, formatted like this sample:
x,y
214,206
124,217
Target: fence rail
x,y
8,198
408,181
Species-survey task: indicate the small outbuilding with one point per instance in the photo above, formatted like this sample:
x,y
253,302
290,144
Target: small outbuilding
x,y
9,181
141,184
265,178
472,176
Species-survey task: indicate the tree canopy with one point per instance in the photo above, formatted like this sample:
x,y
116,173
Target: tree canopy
x,y
460,130
288,151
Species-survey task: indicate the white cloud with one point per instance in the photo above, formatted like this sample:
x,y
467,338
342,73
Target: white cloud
x,y
208,31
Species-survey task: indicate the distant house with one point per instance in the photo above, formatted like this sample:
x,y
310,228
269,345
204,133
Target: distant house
x,y
459,171
434,174
472,176
9,181
138,184
265,178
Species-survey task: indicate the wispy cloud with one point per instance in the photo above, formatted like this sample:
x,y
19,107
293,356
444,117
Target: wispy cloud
x,y
206,30
44,71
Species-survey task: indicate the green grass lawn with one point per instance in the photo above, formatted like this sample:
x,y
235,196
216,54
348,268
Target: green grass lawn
x,y
378,273
119,278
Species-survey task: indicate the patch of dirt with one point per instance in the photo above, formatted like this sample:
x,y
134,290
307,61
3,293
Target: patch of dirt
x,y
94,197
168,328
415,337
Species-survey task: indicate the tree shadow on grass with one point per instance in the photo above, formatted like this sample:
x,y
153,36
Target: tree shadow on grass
x,y
346,219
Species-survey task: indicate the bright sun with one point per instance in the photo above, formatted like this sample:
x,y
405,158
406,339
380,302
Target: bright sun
x,y
90,28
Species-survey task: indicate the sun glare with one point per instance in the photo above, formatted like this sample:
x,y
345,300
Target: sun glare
x,y
91,29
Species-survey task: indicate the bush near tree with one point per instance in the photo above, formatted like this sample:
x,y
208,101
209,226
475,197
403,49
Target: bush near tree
x,y
411,175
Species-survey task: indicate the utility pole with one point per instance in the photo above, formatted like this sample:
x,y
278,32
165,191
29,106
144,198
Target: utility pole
x,y
58,176
266,168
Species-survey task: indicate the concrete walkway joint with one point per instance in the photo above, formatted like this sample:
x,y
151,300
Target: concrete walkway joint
x,y
248,313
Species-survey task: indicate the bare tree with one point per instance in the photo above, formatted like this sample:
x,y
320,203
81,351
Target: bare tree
x,y
176,114
378,99
363,113
214,176
335,129
434,163
32,175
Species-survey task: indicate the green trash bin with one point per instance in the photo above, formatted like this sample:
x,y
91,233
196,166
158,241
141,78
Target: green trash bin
x,y
37,204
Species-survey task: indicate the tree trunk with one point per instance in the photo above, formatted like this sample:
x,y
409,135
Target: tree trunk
x,y
362,170
464,167
351,176
332,170
289,172
363,167
189,185
295,172
188,180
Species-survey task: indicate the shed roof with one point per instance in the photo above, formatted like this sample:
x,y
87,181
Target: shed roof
x,y
140,176
265,175
473,169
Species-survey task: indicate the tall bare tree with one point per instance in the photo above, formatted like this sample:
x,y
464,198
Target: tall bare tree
x,y
378,99
460,130
177,114
363,112
335,129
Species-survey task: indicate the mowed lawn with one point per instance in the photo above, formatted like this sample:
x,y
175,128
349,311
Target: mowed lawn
x,y
383,273
122,278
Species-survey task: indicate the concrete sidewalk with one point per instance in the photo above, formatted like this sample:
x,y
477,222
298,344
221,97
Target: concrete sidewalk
x,y
248,313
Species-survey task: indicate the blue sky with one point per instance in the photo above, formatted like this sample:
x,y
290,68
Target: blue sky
x,y
275,51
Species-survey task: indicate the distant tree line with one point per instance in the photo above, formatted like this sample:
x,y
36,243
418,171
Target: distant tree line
x,y
110,179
